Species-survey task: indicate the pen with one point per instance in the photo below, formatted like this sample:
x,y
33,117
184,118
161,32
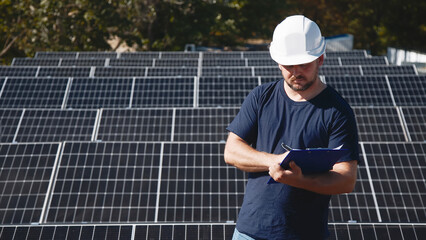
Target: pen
x,y
286,147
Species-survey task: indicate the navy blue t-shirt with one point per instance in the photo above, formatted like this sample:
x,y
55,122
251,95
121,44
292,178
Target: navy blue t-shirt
x,y
267,118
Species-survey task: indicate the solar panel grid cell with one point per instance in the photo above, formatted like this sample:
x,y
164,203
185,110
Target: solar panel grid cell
x,y
414,118
136,125
99,93
130,62
24,178
379,124
163,92
172,71
99,62
64,72
56,125
8,71
35,62
120,72
362,90
106,182
9,119
408,90
225,91
33,93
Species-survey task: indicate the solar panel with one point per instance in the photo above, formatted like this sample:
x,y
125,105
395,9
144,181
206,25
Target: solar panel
x,y
172,71
163,92
379,124
100,93
131,62
225,91
97,55
87,232
203,124
139,55
9,120
176,62
25,173
339,70
257,62
332,61
35,62
44,125
362,90
222,55
224,62
397,175
33,93
393,70
408,90
226,71
256,54
120,72
106,182
341,231
364,61
197,185
136,125
56,55
352,53
83,62
415,119
21,71
179,55
64,72
267,71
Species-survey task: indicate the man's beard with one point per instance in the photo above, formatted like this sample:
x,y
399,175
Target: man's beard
x,y
307,85
297,87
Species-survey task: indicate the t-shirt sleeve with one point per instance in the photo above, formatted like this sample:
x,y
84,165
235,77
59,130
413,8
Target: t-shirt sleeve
x,y
245,123
344,133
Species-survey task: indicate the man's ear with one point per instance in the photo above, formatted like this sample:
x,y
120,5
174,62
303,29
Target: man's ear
x,y
321,60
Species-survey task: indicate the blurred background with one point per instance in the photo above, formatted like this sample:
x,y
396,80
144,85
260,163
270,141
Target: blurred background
x,y
28,26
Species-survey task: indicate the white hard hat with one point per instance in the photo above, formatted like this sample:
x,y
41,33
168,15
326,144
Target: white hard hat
x,y
296,40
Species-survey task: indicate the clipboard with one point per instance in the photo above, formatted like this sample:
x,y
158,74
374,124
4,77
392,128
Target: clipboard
x,y
314,160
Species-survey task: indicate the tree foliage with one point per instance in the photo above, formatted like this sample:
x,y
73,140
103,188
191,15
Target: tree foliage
x,y
27,26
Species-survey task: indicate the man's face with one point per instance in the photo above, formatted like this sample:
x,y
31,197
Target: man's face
x,y
301,77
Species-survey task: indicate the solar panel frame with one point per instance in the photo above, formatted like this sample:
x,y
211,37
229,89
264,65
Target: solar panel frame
x,y
164,92
98,92
55,54
140,55
408,90
172,71
224,62
35,62
225,91
171,62
414,118
25,175
376,60
105,183
362,90
197,185
379,124
352,53
397,174
33,92
18,71
202,124
128,125
120,71
98,62
64,72
56,125
392,70
9,122
131,62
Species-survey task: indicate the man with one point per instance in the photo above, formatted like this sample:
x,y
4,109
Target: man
x,y
301,112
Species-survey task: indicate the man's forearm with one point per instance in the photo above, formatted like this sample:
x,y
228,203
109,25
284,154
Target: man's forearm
x,y
241,155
